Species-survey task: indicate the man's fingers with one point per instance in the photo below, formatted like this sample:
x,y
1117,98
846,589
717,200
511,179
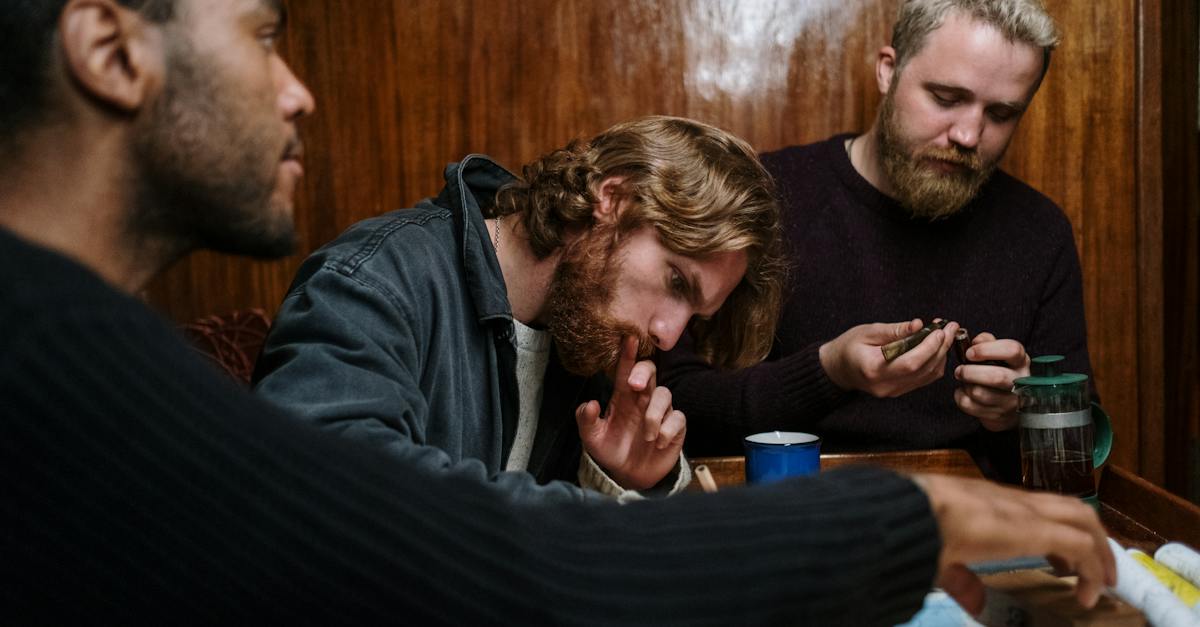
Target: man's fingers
x,y
880,333
905,329
1076,539
930,354
995,377
983,521
900,330
625,362
1010,352
1061,566
656,411
990,397
962,584
674,426
587,417
643,376
992,418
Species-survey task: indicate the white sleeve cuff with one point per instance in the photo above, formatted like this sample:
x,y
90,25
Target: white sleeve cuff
x,y
592,477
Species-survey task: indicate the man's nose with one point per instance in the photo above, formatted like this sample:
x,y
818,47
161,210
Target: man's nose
x,y
967,128
667,327
294,98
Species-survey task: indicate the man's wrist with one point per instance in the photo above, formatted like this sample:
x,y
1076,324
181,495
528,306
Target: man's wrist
x,y
828,356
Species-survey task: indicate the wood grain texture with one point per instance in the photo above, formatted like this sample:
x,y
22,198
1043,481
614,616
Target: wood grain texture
x,y
1136,513
731,471
405,86
1148,161
1165,517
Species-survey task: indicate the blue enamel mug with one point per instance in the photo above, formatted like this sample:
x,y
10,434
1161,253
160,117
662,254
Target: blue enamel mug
x,y
775,455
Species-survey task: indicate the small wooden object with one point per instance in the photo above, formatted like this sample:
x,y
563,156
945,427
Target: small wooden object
x,y
1036,598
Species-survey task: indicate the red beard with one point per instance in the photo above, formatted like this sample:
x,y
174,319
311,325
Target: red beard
x,y
588,338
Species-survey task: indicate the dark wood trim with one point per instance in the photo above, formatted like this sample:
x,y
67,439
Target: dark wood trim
x,y
1181,245
1136,513
1148,111
1161,516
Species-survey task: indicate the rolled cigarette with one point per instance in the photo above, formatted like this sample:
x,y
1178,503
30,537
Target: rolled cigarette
x,y
1181,559
1180,587
1137,587
895,349
706,479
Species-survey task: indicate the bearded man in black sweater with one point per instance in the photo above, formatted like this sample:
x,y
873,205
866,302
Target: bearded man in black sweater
x,y
912,218
141,486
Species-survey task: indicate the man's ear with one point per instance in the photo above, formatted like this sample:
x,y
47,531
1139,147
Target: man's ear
x,y
885,68
611,197
111,52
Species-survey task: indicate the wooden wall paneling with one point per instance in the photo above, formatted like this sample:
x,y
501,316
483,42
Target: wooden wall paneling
x,y
1181,244
1076,145
405,86
1148,163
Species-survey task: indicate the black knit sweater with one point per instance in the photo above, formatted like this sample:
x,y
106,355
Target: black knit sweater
x,y
139,486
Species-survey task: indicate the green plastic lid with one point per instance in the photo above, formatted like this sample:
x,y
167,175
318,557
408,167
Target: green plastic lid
x,y
1044,370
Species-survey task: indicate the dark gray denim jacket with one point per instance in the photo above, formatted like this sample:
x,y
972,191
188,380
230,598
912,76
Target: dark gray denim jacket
x,y
400,333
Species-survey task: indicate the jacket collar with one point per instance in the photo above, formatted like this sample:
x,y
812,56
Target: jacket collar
x,y
471,185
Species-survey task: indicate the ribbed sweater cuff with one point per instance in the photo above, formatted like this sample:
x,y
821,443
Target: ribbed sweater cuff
x,y
902,547
804,386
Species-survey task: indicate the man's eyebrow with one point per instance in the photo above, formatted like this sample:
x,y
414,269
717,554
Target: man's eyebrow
x,y
963,91
954,89
691,282
279,8
695,297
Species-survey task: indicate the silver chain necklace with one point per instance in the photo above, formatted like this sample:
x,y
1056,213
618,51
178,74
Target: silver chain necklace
x,y
496,235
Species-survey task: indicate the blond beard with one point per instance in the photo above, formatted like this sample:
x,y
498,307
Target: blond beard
x,y
926,193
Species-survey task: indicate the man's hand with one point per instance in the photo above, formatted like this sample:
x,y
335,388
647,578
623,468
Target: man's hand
x,y
986,391
854,361
983,521
638,440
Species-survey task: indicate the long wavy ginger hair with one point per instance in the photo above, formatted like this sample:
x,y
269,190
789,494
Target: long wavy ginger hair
x,y
702,189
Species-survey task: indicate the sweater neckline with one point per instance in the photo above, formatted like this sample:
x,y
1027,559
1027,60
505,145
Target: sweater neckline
x,y
862,189
880,203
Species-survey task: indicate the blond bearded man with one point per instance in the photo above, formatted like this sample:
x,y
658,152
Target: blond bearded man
x,y
913,219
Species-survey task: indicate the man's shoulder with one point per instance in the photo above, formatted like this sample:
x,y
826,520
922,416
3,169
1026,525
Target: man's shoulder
x,y
38,278
1017,200
42,289
796,158
417,229
408,241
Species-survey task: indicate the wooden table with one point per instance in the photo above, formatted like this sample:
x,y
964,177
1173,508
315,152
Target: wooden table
x,y
1136,513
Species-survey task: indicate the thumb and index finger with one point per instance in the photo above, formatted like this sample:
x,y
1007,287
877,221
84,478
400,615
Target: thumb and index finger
x,y
987,347
880,333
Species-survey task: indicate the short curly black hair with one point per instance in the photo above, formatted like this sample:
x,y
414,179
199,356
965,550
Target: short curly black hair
x,y
26,36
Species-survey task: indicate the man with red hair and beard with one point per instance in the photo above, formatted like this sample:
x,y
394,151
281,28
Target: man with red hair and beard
x,y
466,344
912,219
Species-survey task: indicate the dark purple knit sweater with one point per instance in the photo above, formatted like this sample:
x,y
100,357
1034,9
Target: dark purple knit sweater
x,y
1006,264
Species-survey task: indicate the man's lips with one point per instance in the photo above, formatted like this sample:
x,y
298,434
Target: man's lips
x,y
293,156
945,165
293,165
